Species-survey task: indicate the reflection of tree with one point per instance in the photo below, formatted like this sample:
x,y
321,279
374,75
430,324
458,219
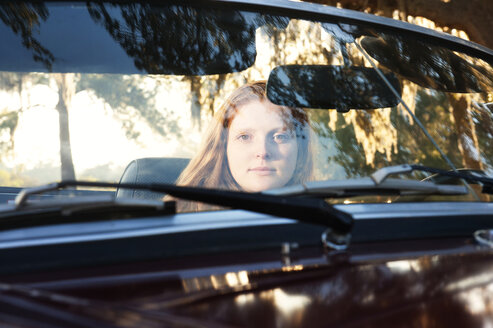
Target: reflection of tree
x,y
24,19
448,117
440,69
432,109
8,123
196,98
483,116
475,17
125,96
116,91
66,91
420,292
411,146
181,40
427,65
466,131
9,119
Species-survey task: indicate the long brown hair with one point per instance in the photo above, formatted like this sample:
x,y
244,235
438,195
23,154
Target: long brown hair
x,y
209,167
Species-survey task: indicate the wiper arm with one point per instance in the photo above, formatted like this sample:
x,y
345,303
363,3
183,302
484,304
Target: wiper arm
x,y
382,174
368,186
100,207
309,210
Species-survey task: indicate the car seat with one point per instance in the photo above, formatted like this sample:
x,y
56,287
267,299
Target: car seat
x,y
150,170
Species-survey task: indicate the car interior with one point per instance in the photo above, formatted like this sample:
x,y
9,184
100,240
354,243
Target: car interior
x,y
150,170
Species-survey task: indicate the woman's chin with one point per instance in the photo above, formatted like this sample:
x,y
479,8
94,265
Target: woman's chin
x,y
262,185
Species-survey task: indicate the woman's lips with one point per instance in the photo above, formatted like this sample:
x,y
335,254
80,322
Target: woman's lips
x,y
262,170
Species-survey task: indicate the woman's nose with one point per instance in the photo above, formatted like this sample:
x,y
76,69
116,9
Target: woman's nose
x,y
263,155
262,150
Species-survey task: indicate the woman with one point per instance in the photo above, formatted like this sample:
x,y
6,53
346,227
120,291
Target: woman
x,y
251,145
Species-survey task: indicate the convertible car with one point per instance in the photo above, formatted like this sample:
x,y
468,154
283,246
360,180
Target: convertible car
x,y
236,163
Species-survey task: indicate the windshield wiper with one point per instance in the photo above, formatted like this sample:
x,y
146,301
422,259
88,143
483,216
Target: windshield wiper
x,y
85,208
310,210
381,175
379,184
368,186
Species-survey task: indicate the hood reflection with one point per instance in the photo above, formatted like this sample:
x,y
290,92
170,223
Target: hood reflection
x,y
289,308
478,301
421,291
220,281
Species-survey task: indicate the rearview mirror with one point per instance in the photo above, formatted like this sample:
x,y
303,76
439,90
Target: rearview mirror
x,y
331,87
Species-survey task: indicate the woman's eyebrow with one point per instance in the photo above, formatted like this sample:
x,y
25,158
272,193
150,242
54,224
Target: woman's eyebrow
x,y
252,129
283,128
239,130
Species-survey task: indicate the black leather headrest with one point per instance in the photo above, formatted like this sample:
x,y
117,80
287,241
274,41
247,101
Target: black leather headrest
x,y
150,170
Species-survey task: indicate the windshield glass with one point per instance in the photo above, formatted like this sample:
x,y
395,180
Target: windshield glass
x,y
229,99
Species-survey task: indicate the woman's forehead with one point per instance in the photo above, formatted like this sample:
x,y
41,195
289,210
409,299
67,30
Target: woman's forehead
x,y
260,113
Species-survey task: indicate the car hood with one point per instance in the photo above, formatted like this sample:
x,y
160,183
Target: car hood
x,y
414,283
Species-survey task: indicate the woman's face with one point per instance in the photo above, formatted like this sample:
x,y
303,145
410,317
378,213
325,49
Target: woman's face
x,y
261,151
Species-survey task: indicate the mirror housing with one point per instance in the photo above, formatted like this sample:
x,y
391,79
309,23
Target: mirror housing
x,y
427,65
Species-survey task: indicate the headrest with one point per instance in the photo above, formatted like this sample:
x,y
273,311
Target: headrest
x,y
150,170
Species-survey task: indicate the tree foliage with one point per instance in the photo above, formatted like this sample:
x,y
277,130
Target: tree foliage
x,y
24,20
474,17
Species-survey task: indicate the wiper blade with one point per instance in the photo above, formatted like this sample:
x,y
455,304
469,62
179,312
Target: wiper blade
x,y
309,210
77,209
367,186
382,174
72,204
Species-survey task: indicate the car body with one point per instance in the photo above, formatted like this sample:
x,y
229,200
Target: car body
x,y
99,85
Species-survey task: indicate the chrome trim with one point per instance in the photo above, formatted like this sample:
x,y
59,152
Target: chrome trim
x,y
334,241
484,237
380,175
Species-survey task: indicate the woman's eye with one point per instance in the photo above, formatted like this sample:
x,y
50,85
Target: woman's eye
x,y
243,137
281,137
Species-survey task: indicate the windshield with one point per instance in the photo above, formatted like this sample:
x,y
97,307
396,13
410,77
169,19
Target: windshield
x,y
230,99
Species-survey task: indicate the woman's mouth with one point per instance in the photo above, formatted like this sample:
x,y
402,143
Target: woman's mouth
x,y
262,170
